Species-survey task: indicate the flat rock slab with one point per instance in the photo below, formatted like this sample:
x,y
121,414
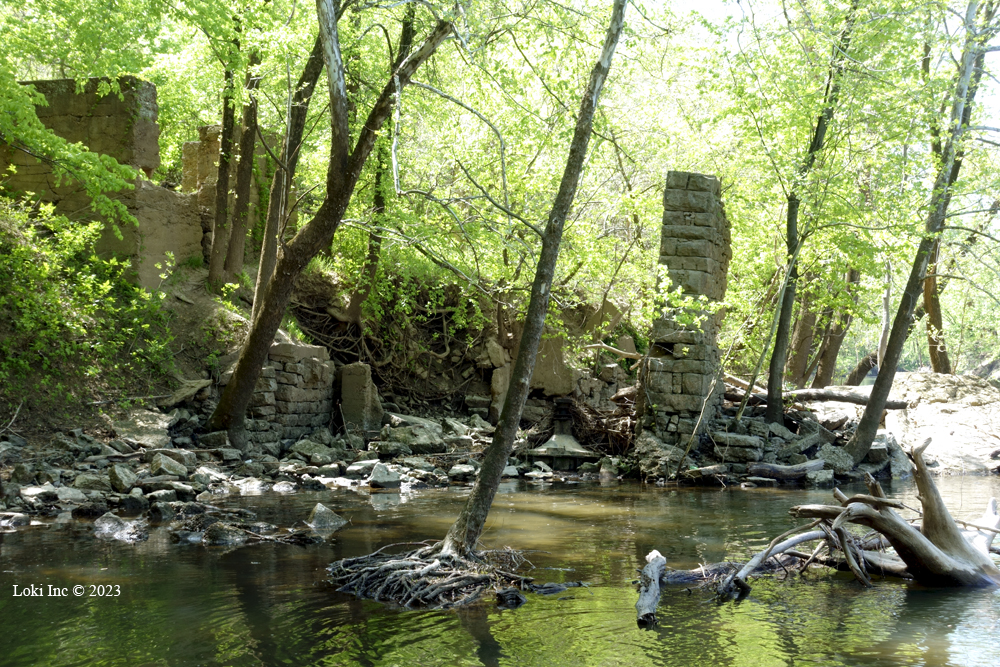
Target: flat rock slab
x,y
146,427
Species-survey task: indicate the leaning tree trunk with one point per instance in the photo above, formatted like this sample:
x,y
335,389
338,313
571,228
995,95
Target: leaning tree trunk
x,y
342,176
966,85
281,183
936,348
464,533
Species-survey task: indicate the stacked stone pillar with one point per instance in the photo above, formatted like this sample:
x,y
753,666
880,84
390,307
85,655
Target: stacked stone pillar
x,y
683,363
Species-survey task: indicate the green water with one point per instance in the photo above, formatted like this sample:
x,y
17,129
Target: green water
x,y
270,605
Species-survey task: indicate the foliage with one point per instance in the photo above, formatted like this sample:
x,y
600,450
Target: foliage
x,y
70,321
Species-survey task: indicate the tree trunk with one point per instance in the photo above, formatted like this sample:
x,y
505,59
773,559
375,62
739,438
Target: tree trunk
x,y
220,231
936,348
369,271
464,533
835,339
775,409
343,173
244,180
803,335
963,99
281,183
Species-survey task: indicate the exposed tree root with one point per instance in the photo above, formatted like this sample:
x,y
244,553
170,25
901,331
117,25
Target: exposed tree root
x,y
426,577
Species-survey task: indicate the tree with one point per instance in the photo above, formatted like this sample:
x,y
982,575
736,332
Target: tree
x,y
343,172
457,550
838,59
979,25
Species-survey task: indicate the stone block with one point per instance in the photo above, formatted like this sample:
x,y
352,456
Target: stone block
x,y
260,398
359,398
291,379
689,201
293,352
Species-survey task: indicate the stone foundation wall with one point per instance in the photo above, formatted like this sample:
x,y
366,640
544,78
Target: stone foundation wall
x,y
126,130
294,394
683,362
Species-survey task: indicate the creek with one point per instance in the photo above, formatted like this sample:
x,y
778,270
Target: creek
x,y
268,604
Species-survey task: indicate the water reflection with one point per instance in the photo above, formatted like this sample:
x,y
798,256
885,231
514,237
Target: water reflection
x,y
269,604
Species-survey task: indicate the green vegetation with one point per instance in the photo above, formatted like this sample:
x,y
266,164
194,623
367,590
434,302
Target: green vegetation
x,y
71,326
474,147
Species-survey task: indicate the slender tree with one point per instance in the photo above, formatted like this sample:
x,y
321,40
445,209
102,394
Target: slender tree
x,y
980,25
464,533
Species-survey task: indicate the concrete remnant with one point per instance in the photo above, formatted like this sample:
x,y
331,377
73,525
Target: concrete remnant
x,y
359,399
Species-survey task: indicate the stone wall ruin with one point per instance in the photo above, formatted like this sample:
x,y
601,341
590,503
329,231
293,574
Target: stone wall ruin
x,y
124,128
682,369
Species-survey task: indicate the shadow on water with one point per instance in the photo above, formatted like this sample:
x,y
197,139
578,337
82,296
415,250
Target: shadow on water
x,y
270,604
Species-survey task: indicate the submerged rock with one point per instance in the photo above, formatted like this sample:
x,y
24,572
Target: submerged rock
x,y
112,526
223,534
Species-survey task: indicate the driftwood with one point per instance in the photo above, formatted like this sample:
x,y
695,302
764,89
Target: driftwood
x,y
937,553
649,592
775,471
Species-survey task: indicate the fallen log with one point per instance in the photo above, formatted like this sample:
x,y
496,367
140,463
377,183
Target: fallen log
x,y
801,395
736,584
775,471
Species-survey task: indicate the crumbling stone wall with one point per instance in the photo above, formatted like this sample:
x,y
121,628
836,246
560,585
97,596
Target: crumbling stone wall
x,y
126,130
683,361
294,394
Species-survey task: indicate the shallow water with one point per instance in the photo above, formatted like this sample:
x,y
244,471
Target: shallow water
x,y
270,605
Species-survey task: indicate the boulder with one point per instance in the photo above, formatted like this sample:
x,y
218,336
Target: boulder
x,y
147,428
389,449
462,472
324,519
90,482
67,494
122,478
510,471
45,494
182,456
418,463
819,478
656,458
382,477
837,459
164,465
360,469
